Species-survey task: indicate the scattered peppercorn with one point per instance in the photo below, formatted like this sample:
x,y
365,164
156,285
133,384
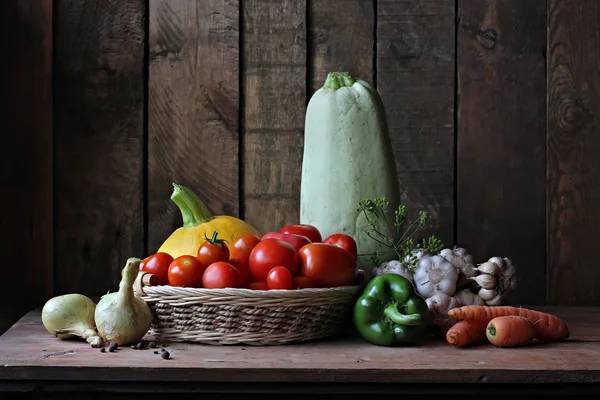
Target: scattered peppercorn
x,y
155,351
165,354
140,345
112,346
102,350
152,345
162,350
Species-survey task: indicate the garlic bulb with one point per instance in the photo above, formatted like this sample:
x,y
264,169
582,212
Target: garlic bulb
x,y
439,304
506,283
393,267
485,281
71,316
497,281
435,275
467,298
489,268
123,317
487,294
463,261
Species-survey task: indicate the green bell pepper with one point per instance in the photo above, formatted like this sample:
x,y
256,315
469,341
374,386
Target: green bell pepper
x,y
390,312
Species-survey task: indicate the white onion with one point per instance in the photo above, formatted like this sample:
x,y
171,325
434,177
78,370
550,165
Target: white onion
x,y
123,317
71,316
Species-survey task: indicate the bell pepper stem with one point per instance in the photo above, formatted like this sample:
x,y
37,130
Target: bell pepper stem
x,y
391,311
193,211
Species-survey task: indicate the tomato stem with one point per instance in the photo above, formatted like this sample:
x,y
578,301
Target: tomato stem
x,y
193,210
214,239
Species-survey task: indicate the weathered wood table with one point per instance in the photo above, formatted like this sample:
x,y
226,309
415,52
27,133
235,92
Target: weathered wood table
x,y
33,361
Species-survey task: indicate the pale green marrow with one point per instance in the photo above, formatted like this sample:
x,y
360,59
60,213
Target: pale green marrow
x,y
347,157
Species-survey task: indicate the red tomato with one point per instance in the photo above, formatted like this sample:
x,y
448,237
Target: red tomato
x,y
346,242
271,253
242,246
302,282
242,266
280,278
311,232
220,275
295,240
213,250
327,265
186,271
258,286
157,265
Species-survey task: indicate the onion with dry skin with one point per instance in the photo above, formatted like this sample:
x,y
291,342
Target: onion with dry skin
x,y
71,316
123,317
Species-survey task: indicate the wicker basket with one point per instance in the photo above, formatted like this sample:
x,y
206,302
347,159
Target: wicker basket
x,y
244,316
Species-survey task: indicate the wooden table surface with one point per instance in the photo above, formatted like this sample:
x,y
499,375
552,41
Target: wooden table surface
x,y
30,357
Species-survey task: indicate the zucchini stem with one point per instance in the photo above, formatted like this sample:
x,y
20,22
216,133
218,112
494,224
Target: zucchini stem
x,y
336,80
193,211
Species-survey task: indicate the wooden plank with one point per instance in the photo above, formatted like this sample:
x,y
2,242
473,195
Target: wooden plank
x,y
501,136
573,145
99,61
415,77
274,76
340,38
193,109
28,351
26,156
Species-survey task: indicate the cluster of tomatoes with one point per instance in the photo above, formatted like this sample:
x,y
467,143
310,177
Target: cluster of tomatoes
x,y
294,257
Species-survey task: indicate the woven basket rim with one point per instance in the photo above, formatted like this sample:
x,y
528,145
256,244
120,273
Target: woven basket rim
x,y
143,289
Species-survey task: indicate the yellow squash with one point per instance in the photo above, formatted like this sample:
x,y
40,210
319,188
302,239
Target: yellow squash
x,y
199,223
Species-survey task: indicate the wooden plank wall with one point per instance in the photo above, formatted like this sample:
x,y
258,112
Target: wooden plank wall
x,y
491,106
26,223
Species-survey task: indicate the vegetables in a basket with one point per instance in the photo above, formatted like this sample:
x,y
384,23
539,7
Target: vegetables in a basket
x,y
123,317
198,222
71,316
347,157
157,265
390,313
328,265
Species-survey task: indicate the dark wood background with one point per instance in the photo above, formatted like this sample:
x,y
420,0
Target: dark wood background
x,y
492,108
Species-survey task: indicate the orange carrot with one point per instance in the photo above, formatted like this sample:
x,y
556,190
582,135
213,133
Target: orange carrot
x,y
510,331
466,333
548,327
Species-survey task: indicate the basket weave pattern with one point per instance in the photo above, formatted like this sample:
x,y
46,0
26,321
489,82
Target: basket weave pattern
x,y
244,316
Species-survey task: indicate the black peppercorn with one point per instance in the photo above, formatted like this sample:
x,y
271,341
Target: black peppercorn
x,y
165,354
112,346
152,345
140,345
102,350
155,351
